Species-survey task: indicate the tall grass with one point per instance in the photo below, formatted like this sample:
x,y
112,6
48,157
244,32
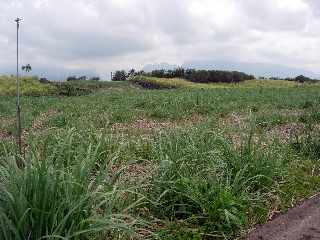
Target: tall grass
x,y
203,180
173,83
64,192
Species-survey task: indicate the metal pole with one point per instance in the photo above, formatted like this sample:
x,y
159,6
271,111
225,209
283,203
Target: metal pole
x,y
19,141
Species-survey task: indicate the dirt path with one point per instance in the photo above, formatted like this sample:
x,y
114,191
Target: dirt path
x,y
300,223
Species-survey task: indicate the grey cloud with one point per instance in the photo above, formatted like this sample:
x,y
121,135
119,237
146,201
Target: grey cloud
x,y
103,35
273,15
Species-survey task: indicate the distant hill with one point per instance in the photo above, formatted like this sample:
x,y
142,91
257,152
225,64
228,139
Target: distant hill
x,y
256,69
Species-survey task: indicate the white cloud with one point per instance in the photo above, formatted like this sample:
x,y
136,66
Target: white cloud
x,y
103,35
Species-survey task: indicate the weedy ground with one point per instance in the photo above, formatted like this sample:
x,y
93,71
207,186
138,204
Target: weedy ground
x,y
122,162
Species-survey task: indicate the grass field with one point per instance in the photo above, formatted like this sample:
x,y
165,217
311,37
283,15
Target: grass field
x,y
197,161
176,83
29,86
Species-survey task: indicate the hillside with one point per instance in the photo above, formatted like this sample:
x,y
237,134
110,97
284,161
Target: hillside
x,y
29,86
176,83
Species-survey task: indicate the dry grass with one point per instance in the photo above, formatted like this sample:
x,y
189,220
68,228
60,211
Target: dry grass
x,y
134,173
285,132
150,125
29,86
39,122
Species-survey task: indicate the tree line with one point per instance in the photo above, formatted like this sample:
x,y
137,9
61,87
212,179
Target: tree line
x,y
299,79
82,78
199,76
193,75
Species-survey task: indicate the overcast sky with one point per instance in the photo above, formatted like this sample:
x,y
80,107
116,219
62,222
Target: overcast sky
x,y
99,36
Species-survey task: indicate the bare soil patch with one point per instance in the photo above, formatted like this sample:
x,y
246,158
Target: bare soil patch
x,y
4,135
300,223
39,122
6,122
291,112
235,120
285,132
134,172
149,125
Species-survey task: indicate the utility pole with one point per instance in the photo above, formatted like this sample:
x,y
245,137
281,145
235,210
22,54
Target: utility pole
x,y
19,141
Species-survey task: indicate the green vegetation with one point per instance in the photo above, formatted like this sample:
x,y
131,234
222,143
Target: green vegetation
x,y
192,161
29,86
64,192
83,87
172,83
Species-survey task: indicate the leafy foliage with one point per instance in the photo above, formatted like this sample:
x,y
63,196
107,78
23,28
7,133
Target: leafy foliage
x,y
119,76
202,76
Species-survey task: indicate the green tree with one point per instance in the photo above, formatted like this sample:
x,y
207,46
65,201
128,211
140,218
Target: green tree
x,y
27,68
119,76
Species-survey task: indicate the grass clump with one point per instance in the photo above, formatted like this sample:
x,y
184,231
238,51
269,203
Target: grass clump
x,y
64,192
308,145
204,181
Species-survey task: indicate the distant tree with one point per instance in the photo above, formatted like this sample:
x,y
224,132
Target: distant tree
x,y
119,76
302,79
131,73
189,73
179,73
95,79
202,76
27,68
82,78
141,73
72,78
158,73
43,80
